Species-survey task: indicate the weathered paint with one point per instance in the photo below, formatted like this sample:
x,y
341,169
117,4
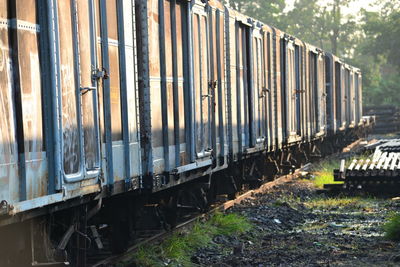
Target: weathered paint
x,y
71,137
9,182
188,114
269,60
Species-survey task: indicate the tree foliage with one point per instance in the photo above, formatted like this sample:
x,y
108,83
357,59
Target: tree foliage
x,y
369,40
267,11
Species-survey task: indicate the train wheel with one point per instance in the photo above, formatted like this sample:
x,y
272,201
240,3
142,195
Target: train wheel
x,y
167,211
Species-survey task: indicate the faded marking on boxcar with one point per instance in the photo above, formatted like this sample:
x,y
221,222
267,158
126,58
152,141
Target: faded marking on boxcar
x,y
70,127
8,168
71,137
7,137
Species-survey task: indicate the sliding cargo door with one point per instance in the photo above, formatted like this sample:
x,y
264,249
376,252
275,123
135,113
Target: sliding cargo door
x,y
291,87
78,85
352,99
347,97
321,92
244,90
217,82
299,90
340,96
268,89
117,92
317,91
313,83
203,85
261,91
358,97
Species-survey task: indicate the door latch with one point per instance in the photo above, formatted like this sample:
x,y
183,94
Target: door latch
x,y
100,74
212,84
264,92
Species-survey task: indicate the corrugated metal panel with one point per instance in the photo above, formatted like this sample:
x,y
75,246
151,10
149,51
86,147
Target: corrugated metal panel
x,y
270,86
9,181
278,91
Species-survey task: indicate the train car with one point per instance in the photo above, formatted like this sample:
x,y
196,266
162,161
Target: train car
x,y
182,65
109,106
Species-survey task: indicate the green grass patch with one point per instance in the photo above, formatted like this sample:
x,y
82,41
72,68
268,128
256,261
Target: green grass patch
x,y
323,172
178,249
339,203
392,227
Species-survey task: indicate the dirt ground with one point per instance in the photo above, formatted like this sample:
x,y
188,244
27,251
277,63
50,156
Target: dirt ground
x,y
296,225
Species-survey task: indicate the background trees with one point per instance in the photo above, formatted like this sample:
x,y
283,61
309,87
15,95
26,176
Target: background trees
x,y
369,40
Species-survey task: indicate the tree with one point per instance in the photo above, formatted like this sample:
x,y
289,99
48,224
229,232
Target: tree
x,y
266,11
323,25
378,54
306,23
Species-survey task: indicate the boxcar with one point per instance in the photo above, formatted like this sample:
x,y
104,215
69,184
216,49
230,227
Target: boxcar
x,y
99,98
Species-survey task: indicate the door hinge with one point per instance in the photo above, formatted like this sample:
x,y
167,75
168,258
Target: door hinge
x,y
100,74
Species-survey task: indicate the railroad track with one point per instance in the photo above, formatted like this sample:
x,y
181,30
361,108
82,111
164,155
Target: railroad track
x,y
111,260
114,259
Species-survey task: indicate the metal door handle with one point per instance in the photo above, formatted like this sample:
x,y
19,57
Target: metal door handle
x,y
84,90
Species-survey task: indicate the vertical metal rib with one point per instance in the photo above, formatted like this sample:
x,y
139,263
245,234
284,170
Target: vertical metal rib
x,y
164,99
175,82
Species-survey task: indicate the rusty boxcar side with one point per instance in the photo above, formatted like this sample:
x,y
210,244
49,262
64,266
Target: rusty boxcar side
x,y
183,91
69,99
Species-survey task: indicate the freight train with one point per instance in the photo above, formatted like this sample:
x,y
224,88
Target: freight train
x,y
107,106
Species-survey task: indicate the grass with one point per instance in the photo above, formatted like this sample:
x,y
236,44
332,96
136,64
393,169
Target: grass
x,y
392,228
178,248
323,172
340,203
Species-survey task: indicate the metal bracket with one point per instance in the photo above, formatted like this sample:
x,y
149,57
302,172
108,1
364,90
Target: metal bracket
x,y
5,208
205,96
84,90
264,92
